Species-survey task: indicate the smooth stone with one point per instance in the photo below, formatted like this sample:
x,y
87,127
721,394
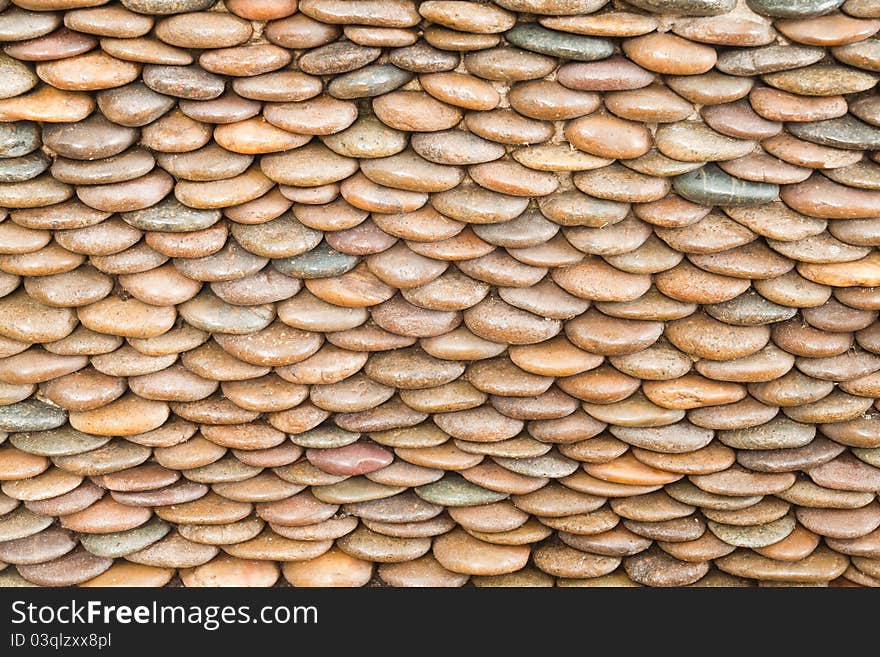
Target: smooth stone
x,y
754,536
226,570
186,82
459,552
19,138
654,567
47,104
125,574
844,132
425,571
122,543
354,489
821,80
169,215
94,138
166,6
767,59
793,8
369,81
73,568
21,523
712,186
687,7
43,546
133,105
58,44
63,441
31,415
454,490
820,197
88,72
612,74
821,566
534,37
15,77
334,568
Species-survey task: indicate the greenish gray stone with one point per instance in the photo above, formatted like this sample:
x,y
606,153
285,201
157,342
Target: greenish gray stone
x,y
227,469
870,455
367,137
712,186
369,81
687,492
324,437
843,132
22,522
779,433
767,59
210,313
552,466
120,544
63,441
864,175
10,579
793,8
15,77
167,6
686,7
31,415
455,490
749,309
19,169
321,262
171,216
131,164
354,489
754,536
189,82
19,138
655,163
534,37
285,236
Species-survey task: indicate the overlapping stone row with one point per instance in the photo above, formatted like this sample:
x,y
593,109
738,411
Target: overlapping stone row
x,y
513,293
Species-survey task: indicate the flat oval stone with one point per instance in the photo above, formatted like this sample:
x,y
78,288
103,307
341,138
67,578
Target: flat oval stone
x,y
17,78
611,74
453,490
797,9
354,489
165,7
767,59
820,197
822,565
122,543
21,523
710,185
459,552
58,44
532,36
844,132
31,415
43,546
821,80
369,81
333,568
68,570
87,72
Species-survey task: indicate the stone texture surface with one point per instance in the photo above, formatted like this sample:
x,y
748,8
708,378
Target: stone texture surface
x,y
429,293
